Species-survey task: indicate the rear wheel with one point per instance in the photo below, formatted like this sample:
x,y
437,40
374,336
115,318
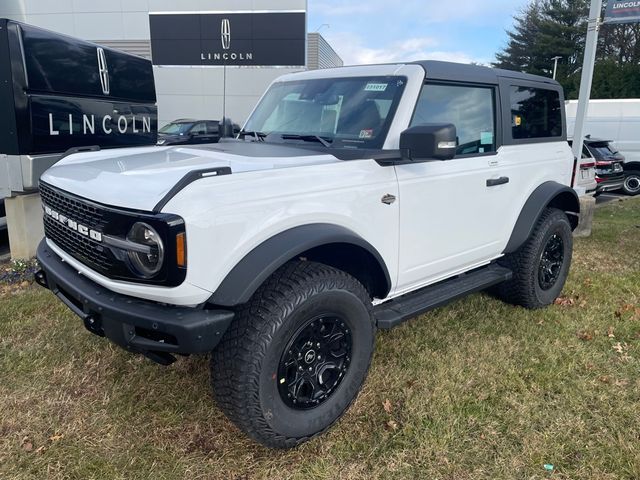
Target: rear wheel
x,y
631,184
296,355
540,266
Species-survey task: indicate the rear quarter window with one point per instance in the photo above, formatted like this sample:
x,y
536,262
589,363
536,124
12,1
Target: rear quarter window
x,y
535,113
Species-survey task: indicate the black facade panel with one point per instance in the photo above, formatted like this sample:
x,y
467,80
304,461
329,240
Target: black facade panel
x,y
64,65
8,128
264,39
56,90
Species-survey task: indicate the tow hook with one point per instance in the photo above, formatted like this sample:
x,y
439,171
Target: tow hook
x,y
41,278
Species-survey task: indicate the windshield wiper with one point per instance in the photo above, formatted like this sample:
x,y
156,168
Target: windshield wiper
x,y
258,136
308,138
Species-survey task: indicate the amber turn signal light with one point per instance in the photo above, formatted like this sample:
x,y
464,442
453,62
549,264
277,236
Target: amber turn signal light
x,y
181,250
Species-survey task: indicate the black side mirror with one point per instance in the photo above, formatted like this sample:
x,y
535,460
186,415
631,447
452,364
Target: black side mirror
x,y
428,141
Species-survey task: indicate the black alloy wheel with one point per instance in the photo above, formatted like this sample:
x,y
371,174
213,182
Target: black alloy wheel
x,y
314,362
551,262
295,356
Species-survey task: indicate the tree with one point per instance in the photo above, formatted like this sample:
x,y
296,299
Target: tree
x,y
520,52
549,28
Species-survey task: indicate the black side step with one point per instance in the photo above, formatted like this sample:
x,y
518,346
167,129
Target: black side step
x,y
412,304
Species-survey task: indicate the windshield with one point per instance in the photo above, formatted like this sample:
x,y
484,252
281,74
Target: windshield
x,y
176,128
346,112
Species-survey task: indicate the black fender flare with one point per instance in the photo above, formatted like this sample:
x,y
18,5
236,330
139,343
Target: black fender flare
x,y
261,262
549,194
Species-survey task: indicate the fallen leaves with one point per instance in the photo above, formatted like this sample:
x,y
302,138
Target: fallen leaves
x,y
622,349
391,424
570,300
627,308
27,443
585,336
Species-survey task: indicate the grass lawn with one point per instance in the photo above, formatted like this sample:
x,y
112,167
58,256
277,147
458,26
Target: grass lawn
x,y
478,389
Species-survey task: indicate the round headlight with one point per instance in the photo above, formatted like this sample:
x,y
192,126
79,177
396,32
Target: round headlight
x,y
147,260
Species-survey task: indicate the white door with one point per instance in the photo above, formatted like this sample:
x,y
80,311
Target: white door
x,y
451,211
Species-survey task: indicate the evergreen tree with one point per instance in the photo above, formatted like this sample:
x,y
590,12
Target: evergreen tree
x,y
549,28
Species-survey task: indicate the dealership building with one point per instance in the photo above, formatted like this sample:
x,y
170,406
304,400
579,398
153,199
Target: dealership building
x,y
210,56
209,59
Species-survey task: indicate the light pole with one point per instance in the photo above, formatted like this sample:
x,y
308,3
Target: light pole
x,y
555,65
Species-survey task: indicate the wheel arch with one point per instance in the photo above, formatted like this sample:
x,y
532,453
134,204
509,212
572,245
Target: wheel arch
x,y
331,244
549,194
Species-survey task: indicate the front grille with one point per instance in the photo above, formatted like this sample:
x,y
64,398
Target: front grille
x,y
91,253
78,246
82,212
107,259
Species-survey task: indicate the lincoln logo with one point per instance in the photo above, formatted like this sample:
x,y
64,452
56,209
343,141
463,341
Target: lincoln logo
x,y
73,225
103,70
225,34
225,41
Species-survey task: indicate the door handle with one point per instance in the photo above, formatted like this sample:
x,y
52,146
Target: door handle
x,y
492,182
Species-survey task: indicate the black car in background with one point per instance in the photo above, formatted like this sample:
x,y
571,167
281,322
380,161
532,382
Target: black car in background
x,y
189,131
608,164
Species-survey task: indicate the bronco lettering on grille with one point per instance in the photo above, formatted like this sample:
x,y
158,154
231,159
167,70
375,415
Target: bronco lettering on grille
x,y
73,225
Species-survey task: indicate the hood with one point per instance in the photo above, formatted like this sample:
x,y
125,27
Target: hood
x,y
138,178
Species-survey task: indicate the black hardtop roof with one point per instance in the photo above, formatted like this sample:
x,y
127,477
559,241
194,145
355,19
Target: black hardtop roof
x,y
437,70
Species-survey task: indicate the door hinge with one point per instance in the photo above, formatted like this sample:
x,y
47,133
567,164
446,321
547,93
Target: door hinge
x,y
388,199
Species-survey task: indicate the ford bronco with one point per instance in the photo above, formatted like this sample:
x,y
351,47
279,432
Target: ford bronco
x,y
352,200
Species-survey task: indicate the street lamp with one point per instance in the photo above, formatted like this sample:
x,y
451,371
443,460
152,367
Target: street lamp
x,y
555,65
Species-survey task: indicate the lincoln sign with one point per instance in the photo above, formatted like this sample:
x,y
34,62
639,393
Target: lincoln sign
x,y
264,39
622,11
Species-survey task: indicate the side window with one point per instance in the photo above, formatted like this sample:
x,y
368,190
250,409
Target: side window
x,y
535,113
470,109
199,129
212,127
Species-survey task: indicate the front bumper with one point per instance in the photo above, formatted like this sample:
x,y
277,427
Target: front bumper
x,y
140,326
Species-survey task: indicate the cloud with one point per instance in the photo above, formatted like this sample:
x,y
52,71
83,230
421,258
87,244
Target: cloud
x,y
354,50
429,11
339,8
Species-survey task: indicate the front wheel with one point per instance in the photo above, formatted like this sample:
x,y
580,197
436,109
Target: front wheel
x,y
540,266
631,184
296,355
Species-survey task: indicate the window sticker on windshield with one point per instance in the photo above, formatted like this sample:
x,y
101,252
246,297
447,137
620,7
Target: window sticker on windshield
x,y
486,138
376,87
367,133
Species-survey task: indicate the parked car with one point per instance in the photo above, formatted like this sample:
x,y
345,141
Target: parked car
x,y
618,120
608,164
354,199
187,131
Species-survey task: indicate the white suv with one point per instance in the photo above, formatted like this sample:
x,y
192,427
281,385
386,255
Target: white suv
x,y
354,199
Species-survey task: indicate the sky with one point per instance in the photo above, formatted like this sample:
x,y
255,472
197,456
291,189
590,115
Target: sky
x,y
379,31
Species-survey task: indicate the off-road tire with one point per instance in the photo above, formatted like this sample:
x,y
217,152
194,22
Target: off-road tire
x,y
244,365
524,288
631,184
